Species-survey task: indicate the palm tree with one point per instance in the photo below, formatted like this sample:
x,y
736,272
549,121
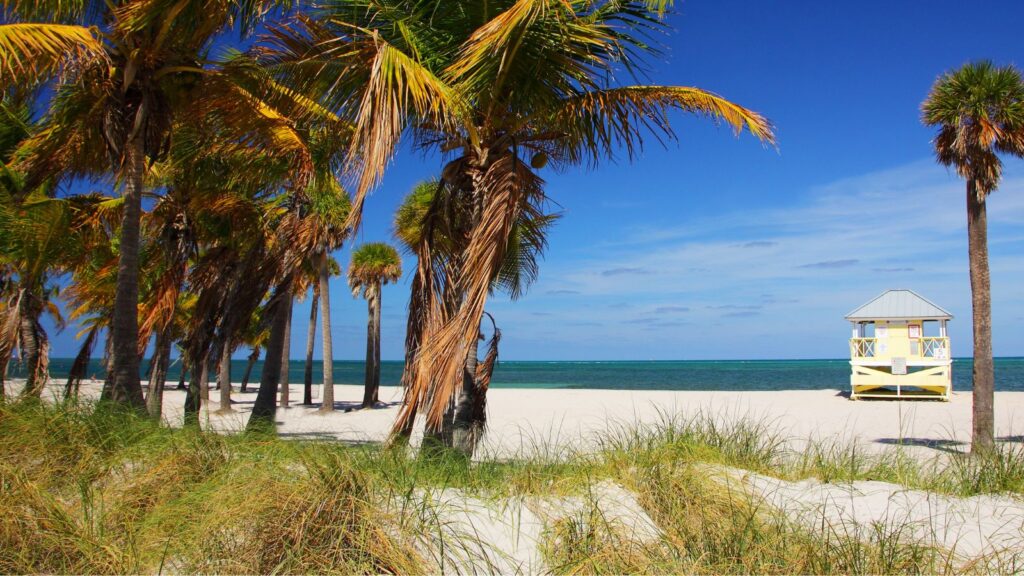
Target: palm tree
x,y
431,221
373,265
487,84
979,112
125,71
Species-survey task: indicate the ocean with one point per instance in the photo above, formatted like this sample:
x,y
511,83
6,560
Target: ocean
x,y
627,375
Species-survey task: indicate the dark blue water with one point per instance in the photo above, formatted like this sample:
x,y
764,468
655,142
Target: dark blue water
x,y
648,375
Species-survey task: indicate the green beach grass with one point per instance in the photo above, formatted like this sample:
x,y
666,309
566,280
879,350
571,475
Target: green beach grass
x,y
89,491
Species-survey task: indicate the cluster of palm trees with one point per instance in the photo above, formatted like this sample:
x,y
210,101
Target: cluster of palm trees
x,y
239,172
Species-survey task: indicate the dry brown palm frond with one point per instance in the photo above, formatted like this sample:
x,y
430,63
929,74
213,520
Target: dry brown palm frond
x,y
398,90
10,314
445,342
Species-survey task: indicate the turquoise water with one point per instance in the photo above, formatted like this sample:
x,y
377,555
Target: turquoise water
x,y
649,375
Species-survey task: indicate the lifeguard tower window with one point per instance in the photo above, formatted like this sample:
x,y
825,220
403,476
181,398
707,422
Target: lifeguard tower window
x,y
868,329
931,329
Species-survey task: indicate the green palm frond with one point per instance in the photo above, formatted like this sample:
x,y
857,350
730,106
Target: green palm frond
x,y
373,264
979,111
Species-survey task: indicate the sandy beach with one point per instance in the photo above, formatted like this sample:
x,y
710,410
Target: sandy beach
x,y
525,422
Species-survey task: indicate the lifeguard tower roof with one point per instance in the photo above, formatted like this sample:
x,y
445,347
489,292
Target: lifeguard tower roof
x,y
899,304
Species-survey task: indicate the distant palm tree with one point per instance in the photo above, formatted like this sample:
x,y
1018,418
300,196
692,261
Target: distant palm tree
x,y
373,265
979,111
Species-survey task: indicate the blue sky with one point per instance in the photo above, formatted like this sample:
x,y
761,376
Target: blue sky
x,y
719,248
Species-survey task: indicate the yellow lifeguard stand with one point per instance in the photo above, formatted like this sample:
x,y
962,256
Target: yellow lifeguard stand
x,y
890,355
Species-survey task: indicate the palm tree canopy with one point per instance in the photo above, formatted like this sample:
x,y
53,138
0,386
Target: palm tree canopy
x,y
373,264
445,70
979,111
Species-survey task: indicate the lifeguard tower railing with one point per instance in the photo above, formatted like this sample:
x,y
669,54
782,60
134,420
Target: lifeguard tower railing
x,y
934,347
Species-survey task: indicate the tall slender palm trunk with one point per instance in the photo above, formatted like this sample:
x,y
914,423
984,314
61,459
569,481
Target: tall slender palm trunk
x,y
157,381
372,381
265,407
194,396
126,387
254,357
225,378
307,377
328,343
983,437
285,396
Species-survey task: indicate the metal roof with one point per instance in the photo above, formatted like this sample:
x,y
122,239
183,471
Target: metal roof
x,y
894,304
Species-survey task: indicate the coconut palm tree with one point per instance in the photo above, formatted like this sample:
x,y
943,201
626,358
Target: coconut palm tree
x,y
979,112
125,71
431,221
35,235
488,84
373,265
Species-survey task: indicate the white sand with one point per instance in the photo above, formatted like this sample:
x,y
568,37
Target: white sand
x,y
547,421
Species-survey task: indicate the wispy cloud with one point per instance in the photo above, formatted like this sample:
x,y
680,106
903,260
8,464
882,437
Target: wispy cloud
x,y
562,292
624,270
671,309
831,263
832,249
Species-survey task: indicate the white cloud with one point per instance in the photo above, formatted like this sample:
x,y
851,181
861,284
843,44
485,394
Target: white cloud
x,y
819,256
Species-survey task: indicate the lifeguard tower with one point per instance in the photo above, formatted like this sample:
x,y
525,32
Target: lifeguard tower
x,y
890,354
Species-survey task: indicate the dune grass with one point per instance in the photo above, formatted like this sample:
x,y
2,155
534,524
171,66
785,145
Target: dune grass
x,y
88,491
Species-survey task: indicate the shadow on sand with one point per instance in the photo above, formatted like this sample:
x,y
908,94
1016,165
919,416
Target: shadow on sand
x,y
945,445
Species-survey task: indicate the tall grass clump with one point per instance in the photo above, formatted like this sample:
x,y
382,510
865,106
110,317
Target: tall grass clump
x,y
86,491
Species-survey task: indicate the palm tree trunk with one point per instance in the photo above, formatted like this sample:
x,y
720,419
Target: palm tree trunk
x,y
372,342
183,374
161,360
204,381
285,397
254,357
465,429
194,397
328,344
265,407
376,349
225,377
34,346
983,438
126,387
80,366
307,381
108,363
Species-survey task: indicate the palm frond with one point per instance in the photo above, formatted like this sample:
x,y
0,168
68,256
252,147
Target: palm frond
x,y
597,124
30,53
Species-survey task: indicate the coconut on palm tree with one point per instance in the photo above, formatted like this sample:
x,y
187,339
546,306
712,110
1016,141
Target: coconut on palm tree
x,y
373,265
979,112
501,88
